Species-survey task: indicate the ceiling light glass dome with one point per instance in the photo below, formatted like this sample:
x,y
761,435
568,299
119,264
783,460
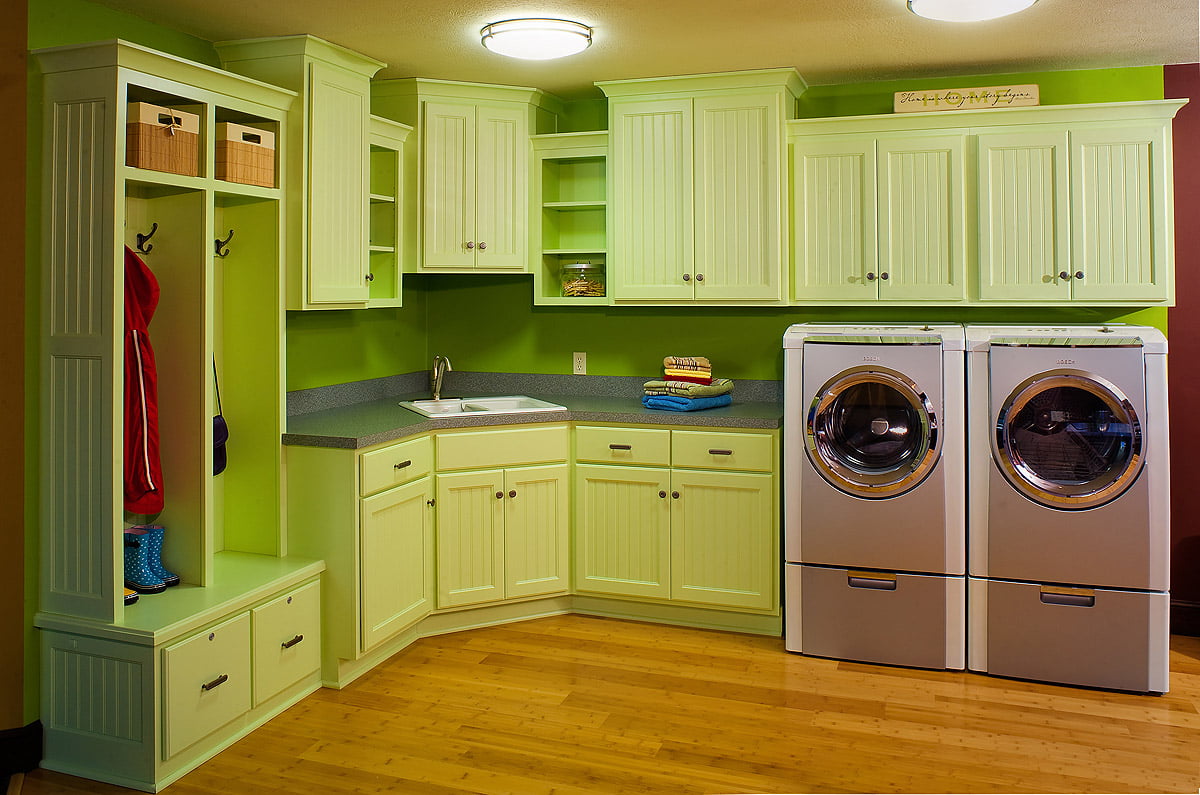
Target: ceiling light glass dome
x,y
967,10
536,39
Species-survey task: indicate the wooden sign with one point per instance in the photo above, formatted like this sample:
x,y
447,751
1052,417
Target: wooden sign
x,y
966,98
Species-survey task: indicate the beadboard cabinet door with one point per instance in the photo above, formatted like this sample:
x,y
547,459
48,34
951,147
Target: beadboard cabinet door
x,y
623,530
1024,221
653,238
449,185
833,206
536,530
722,545
1121,213
470,537
396,560
502,169
922,220
738,207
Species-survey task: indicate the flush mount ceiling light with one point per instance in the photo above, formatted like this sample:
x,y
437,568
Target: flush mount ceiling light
x,y
967,10
536,39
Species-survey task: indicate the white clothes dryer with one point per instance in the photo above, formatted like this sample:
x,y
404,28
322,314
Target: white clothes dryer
x,y
1069,520
875,506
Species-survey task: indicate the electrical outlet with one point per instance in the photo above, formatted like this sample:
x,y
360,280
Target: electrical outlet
x,y
579,363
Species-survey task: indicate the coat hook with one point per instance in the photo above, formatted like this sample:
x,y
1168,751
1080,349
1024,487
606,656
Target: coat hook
x,y
142,239
221,244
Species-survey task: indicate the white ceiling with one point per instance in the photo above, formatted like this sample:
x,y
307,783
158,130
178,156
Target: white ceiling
x,y
827,41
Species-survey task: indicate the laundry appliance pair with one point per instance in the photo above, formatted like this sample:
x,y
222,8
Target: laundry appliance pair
x,y
993,498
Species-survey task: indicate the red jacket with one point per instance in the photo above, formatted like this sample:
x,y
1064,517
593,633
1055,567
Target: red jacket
x,y
142,465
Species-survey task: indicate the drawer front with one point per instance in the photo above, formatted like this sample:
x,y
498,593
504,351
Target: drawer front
x,y
395,464
645,446
287,640
486,449
753,452
206,683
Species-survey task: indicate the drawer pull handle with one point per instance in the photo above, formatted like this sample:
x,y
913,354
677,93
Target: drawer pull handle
x,y
871,583
620,447
720,452
402,465
214,684
287,644
1069,599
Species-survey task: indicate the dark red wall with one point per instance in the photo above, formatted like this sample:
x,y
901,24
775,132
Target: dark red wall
x,y
1183,330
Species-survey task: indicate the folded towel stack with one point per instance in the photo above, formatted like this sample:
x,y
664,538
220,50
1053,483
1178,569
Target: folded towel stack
x,y
687,385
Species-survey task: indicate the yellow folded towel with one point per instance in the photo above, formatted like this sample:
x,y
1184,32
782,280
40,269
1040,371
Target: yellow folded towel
x,y
687,362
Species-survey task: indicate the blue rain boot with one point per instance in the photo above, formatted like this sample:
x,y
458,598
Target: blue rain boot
x,y
138,575
154,537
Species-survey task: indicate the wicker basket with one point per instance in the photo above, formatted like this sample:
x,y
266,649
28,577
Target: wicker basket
x,y
245,155
162,139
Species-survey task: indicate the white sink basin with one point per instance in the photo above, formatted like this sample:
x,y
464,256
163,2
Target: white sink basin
x,y
467,407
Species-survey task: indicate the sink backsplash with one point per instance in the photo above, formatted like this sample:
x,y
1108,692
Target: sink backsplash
x,y
458,383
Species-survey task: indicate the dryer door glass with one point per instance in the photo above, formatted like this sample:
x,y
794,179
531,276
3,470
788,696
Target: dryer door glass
x,y
1069,440
872,433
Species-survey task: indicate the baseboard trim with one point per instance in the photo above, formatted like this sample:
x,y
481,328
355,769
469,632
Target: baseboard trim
x,y
1185,618
20,749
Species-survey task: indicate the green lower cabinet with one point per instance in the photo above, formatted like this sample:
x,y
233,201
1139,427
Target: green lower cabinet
x,y
623,531
502,534
396,560
206,683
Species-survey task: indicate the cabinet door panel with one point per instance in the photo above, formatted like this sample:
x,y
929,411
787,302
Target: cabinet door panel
x,y
470,538
337,186
502,164
448,165
396,561
738,193
536,554
833,192
922,226
652,200
206,682
623,531
1120,221
724,539
1024,237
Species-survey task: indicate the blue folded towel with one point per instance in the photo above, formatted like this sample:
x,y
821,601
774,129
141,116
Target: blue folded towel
x,y
676,403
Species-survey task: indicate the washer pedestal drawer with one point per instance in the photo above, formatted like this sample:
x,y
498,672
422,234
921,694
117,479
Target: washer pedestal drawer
x,y
1095,637
914,620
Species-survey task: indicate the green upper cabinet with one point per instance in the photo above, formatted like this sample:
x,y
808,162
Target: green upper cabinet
x,y
388,229
697,195
1040,205
329,183
472,178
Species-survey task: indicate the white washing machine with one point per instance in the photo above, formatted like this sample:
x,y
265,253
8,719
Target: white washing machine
x,y
1069,521
874,516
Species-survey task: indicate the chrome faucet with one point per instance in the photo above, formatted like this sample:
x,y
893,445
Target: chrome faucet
x,y
440,365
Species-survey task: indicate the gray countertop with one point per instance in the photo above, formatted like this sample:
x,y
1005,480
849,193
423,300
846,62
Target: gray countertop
x,y
370,422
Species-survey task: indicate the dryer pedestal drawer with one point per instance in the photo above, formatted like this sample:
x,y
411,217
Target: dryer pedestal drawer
x,y
1095,637
914,620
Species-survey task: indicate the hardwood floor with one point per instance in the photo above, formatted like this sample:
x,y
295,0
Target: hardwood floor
x,y
571,705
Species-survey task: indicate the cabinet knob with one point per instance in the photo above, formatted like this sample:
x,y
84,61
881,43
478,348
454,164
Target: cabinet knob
x,y
1064,275
512,493
884,276
1078,274
470,244
870,276
674,495
431,503
499,495
687,277
699,277
370,277
482,245
662,494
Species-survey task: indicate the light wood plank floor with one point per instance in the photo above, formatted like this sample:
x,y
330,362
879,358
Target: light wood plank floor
x,y
572,705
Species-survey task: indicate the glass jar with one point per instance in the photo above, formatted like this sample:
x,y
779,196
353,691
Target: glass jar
x,y
582,280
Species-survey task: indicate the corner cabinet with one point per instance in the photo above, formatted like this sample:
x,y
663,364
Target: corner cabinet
x,y
110,670
472,179
698,169
1068,204
329,172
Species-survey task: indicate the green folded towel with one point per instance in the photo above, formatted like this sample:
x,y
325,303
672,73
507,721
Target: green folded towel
x,y
719,386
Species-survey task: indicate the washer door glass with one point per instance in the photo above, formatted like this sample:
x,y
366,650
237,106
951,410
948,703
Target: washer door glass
x,y
872,433
1069,440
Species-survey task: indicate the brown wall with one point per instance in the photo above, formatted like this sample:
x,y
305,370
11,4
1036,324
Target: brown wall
x,y
12,362
1183,324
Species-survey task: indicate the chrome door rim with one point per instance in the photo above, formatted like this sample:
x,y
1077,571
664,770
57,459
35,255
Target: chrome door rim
x,y
1022,476
854,481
